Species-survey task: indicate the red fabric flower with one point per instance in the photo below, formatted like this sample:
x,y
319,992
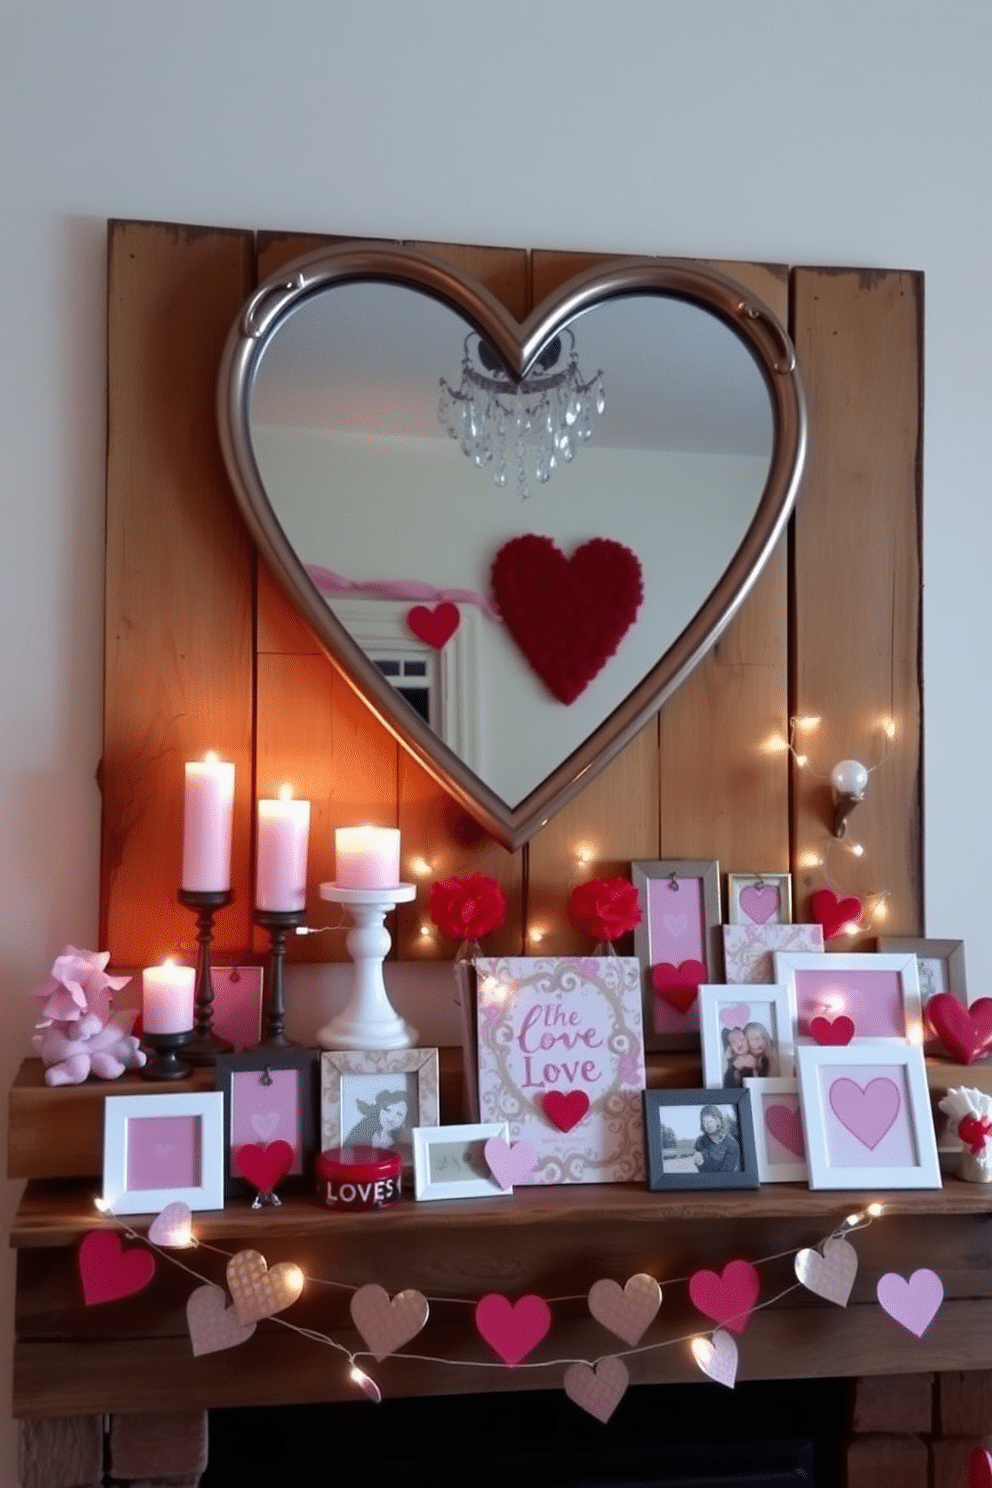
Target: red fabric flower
x,y
604,908
467,908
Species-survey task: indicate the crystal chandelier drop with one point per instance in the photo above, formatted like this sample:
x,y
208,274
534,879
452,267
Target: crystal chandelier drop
x,y
534,425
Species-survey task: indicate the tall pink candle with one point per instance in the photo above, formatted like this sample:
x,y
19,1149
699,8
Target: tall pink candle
x,y
283,837
167,998
207,822
367,857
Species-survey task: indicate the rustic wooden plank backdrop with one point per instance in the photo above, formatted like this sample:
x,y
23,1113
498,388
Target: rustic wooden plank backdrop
x,y
202,651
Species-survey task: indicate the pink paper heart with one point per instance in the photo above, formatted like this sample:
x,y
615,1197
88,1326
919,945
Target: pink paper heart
x,y
213,1326
598,1390
735,1016
786,1126
434,627
510,1165
913,1303
108,1271
264,1167
512,1329
173,1228
759,902
678,985
867,1112
729,1298
717,1357
565,1110
832,1032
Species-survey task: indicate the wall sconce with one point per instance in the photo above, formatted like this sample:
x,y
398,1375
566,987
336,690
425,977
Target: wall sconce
x,y
848,781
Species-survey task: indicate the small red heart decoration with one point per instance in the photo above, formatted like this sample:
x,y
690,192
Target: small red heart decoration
x,y
832,1031
108,1271
980,1468
965,1032
567,615
728,1299
264,1166
678,985
565,1111
512,1329
434,627
833,913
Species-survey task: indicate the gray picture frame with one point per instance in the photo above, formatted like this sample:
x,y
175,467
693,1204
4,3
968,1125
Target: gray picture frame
x,y
649,878
662,1174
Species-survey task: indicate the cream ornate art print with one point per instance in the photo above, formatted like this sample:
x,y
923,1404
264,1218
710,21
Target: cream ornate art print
x,y
561,1061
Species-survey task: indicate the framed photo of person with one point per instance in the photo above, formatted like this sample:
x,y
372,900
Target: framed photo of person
x,y
163,1149
940,964
449,1162
778,1130
746,1033
700,1139
270,1095
879,993
678,944
759,898
375,1098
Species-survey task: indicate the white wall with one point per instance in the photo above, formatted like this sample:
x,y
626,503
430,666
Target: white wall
x,y
840,132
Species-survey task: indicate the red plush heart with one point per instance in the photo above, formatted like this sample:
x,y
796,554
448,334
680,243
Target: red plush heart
x,y
980,1468
829,1031
678,985
567,615
565,1111
728,1299
434,627
833,913
108,1271
965,1032
264,1166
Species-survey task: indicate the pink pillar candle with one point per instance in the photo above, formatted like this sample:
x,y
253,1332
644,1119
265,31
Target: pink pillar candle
x,y
283,837
367,857
167,998
207,821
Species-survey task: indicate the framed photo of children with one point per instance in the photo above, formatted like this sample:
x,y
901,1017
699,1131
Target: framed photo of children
x,y
759,898
678,944
270,1095
746,1033
163,1149
700,1139
375,1098
880,994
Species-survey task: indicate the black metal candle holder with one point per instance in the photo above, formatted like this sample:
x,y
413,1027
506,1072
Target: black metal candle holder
x,y
205,1045
166,1064
278,922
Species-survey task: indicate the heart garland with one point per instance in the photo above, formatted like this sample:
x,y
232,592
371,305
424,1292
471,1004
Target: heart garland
x,y
717,1357
512,1329
213,1326
913,1303
830,1275
173,1228
434,627
258,1292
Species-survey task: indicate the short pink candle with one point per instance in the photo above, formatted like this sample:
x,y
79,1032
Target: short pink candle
x,y
367,857
283,837
207,821
167,998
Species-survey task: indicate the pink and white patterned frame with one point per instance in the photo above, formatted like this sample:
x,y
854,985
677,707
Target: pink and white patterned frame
x,y
880,993
775,1139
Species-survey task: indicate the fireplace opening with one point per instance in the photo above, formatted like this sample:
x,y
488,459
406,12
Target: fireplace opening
x,y
762,1434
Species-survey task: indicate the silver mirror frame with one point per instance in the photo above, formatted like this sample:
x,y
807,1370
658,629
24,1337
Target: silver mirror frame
x,y
519,345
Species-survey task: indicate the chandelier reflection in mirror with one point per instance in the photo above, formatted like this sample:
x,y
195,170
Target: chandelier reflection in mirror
x,y
539,420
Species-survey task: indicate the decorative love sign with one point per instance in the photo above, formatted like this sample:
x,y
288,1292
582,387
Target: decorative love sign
x,y
561,1061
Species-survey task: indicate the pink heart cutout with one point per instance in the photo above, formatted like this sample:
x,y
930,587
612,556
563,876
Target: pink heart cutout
x,y
913,1303
264,1167
678,985
173,1228
512,1329
867,1112
728,1299
434,627
786,1126
735,1016
759,902
833,1033
565,1110
108,1271
510,1164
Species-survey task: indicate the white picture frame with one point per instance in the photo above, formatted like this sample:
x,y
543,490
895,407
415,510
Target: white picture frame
x,y
449,1162
860,1134
879,992
776,1137
763,1007
163,1149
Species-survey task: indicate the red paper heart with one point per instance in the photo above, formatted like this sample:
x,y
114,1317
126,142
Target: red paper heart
x,y
565,1111
829,1031
786,1126
678,985
108,1271
567,615
728,1299
264,1166
965,1032
833,913
512,1329
434,627
980,1468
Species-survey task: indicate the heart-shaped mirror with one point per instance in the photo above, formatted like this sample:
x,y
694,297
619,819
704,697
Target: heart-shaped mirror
x,y
515,540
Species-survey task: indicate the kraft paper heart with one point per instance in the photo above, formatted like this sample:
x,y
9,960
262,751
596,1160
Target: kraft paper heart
x,y
213,1325
980,1468
717,1357
786,1126
567,615
510,1164
512,1329
759,902
434,627
565,1110
832,1032
264,1167
736,1015
173,1228
729,1298
913,1303
598,1390
108,1271
830,1275
678,985
833,913
867,1112
629,1311
965,1032
258,1292
387,1325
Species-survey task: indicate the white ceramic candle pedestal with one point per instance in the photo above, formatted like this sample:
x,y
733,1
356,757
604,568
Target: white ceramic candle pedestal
x,y
368,1021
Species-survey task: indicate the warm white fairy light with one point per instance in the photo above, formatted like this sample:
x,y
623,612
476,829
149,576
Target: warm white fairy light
x,y
102,1205
876,1210
535,934
856,849
775,744
421,867
702,1351
584,855
810,859
365,1382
